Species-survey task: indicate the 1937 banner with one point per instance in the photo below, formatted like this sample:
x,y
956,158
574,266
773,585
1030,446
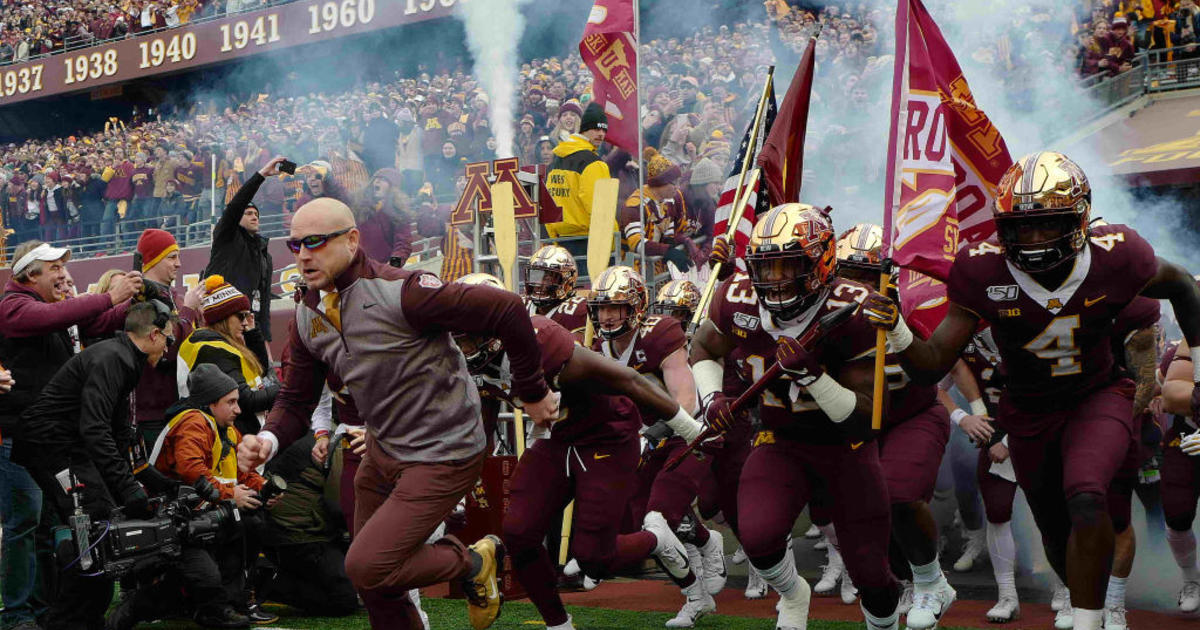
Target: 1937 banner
x,y
205,43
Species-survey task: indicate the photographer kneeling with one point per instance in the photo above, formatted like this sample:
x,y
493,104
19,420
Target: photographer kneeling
x,y
200,442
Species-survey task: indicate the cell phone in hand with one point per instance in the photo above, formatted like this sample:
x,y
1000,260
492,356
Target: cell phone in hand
x,y
287,166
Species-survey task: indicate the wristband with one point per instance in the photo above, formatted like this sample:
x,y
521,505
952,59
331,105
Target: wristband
x,y
978,408
685,426
957,416
836,401
320,434
1195,355
709,377
900,337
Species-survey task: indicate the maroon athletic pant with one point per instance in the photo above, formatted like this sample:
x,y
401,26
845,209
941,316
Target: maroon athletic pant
x,y
778,481
600,479
1180,479
998,493
397,507
910,453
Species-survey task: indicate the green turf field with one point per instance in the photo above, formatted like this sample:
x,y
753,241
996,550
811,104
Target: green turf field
x,y
450,614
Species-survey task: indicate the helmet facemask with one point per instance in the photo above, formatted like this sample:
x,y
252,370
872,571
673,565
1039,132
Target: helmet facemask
x,y
625,324
785,282
545,287
1040,242
479,352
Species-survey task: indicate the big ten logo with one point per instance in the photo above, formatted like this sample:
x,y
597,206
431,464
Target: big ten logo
x,y
477,196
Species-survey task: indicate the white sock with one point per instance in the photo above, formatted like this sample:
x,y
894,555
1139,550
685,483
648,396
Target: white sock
x,y
783,577
926,574
1183,547
830,533
879,622
566,625
1088,619
1115,597
1002,549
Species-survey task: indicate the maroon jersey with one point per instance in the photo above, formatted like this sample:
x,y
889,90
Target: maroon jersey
x,y
587,417
1055,344
1165,362
571,314
656,339
983,359
783,406
907,399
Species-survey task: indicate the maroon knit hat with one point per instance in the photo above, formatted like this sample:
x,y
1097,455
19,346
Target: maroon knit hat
x,y
221,300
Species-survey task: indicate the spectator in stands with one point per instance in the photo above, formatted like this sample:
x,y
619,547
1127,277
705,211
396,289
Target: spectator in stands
x,y
1118,55
409,157
143,208
380,140
574,171
703,192
569,117
442,170
53,204
1187,25
654,220
385,229
119,175
222,342
239,254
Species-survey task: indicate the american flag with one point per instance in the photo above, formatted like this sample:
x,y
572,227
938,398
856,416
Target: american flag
x,y
758,201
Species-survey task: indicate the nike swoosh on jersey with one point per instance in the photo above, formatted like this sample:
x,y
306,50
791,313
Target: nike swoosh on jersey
x,y
1090,301
855,445
601,456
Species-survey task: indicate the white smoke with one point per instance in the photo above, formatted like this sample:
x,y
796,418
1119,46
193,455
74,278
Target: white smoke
x,y
494,29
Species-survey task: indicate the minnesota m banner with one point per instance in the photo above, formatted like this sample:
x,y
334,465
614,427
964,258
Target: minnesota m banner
x,y
945,158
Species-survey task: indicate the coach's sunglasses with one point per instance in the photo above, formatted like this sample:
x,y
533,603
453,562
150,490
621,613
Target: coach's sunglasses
x,y
313,241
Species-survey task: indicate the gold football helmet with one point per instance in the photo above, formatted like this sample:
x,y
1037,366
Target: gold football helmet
x,y
550,276
677,298
791,258
858,252
1041,211
618,286
479,351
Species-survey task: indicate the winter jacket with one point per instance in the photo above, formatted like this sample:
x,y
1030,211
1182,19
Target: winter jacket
x,y
242,258
573,174
256,391
190,449
82,416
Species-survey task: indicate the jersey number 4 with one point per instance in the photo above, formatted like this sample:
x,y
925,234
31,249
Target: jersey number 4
x,y
1057,344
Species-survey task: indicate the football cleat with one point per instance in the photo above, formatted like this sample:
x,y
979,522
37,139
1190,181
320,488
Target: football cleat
x,y
974,550
698,604
1189,597
712,557
482,589
930,602
1114,618
756,587
1006,609
906,598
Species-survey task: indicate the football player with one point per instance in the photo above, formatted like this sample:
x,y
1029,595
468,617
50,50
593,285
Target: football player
x,y
1181,469
678,299
816,417
1051,287
550,289
656,347
590,456
911,445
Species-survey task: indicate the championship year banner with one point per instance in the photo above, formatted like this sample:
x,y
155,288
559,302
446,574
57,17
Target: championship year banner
x,y
204,43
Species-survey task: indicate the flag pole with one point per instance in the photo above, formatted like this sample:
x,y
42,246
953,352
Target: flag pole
x,y
637,77
739,199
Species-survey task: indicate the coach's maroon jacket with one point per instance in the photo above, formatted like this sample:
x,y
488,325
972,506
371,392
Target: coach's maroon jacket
x,y
395,353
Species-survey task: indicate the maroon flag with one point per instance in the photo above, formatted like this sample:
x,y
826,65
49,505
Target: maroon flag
x,y
782,154
609,48
945,159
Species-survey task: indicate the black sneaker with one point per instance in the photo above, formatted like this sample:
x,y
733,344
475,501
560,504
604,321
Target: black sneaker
x,y
223,617
260,617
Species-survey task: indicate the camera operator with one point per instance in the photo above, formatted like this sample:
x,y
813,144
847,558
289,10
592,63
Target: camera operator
x,y
159,257
81,423
200,442
304,538
35,341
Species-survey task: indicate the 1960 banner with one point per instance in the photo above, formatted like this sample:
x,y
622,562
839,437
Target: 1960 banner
x,y
201,44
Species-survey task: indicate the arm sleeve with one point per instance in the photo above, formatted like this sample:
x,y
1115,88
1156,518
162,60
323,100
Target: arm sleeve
x,y
303,377
322,418
402,237
430,305
109,321
232,215
25,316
